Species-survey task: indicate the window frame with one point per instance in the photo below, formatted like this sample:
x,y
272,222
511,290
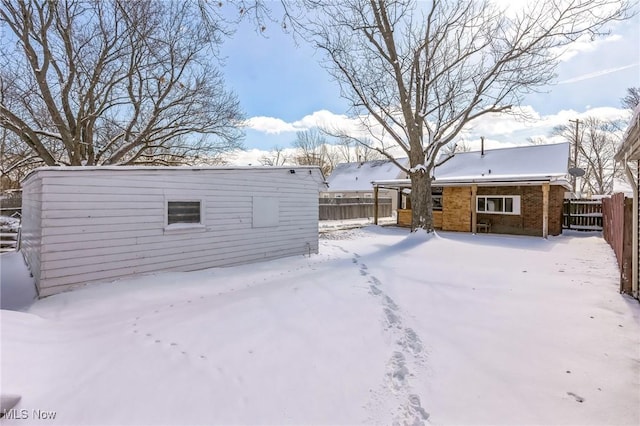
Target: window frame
x,y
184,226
436,196
437,202
515,203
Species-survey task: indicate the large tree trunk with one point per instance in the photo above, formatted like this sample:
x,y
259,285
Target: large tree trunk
x,y
421,202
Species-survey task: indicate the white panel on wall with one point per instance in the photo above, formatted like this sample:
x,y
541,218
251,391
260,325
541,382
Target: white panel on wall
x,y
266,212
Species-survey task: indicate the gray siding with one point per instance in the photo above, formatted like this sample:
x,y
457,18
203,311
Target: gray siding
x,y
103,224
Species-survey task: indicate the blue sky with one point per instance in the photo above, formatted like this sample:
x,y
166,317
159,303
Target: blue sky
x,y
285,84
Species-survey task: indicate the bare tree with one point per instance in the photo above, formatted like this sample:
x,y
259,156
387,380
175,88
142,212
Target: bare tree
x,y
423,71
453,148
632,98
276,157
598,141
311,147
365,152
114,82
537,140
16,160
351,149
346,148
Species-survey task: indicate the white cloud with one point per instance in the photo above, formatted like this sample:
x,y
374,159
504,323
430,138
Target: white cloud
x,y
252,157
499,130
582,45
249,157
505,125
270,125
322,119
319,119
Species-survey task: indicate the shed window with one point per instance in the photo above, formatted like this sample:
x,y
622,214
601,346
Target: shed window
x,y
183,212
498,204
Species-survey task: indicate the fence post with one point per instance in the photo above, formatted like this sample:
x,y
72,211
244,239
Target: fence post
x,y
545,210
375,204
626,266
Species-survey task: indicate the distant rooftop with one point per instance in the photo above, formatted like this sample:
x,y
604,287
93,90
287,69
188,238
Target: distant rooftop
x,y
358,176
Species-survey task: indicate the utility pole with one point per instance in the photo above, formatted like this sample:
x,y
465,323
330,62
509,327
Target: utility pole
x,y
575,151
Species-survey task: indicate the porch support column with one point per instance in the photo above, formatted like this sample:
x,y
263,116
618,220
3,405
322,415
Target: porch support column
x,y
545,210
474,214
375,204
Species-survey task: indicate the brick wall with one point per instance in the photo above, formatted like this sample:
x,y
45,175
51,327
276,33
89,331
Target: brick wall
x,y
404,218
456,209
437,219
529,221
556,203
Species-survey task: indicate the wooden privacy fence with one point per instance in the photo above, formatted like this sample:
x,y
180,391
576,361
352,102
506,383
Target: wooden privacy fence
x,y
10,203
582,215
617,219
353,208
8,241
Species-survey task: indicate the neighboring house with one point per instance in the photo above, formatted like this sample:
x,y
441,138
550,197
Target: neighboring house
x,y
510,190
353,180
629,155
88,224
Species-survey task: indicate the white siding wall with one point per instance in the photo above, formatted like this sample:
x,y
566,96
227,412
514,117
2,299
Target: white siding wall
x,y
31,228
105,224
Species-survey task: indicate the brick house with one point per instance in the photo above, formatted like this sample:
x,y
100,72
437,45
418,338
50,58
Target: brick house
x,y
516,190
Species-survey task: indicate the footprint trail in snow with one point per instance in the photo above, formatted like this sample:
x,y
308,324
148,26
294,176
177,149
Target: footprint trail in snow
x,y
409,350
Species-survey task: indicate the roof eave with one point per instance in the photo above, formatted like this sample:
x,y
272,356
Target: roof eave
x,y
525,181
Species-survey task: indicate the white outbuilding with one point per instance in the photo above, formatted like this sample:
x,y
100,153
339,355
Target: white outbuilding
x,y
87,224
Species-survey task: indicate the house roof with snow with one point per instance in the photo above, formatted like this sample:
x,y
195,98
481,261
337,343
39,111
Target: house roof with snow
x,y
532,163
358,176
630,147
517,163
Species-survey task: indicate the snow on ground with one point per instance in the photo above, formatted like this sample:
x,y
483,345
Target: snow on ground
x,y
9,224
328,226
17,291
379,328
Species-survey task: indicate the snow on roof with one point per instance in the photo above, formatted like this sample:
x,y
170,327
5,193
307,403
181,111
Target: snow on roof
x,y
513,164
358,176
627,145
164,169
510,163
63,168
634,119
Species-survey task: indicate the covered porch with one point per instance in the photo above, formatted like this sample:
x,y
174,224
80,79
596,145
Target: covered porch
x,y
524,207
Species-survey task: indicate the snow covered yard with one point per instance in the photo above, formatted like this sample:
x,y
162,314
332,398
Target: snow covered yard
x,y
379,328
